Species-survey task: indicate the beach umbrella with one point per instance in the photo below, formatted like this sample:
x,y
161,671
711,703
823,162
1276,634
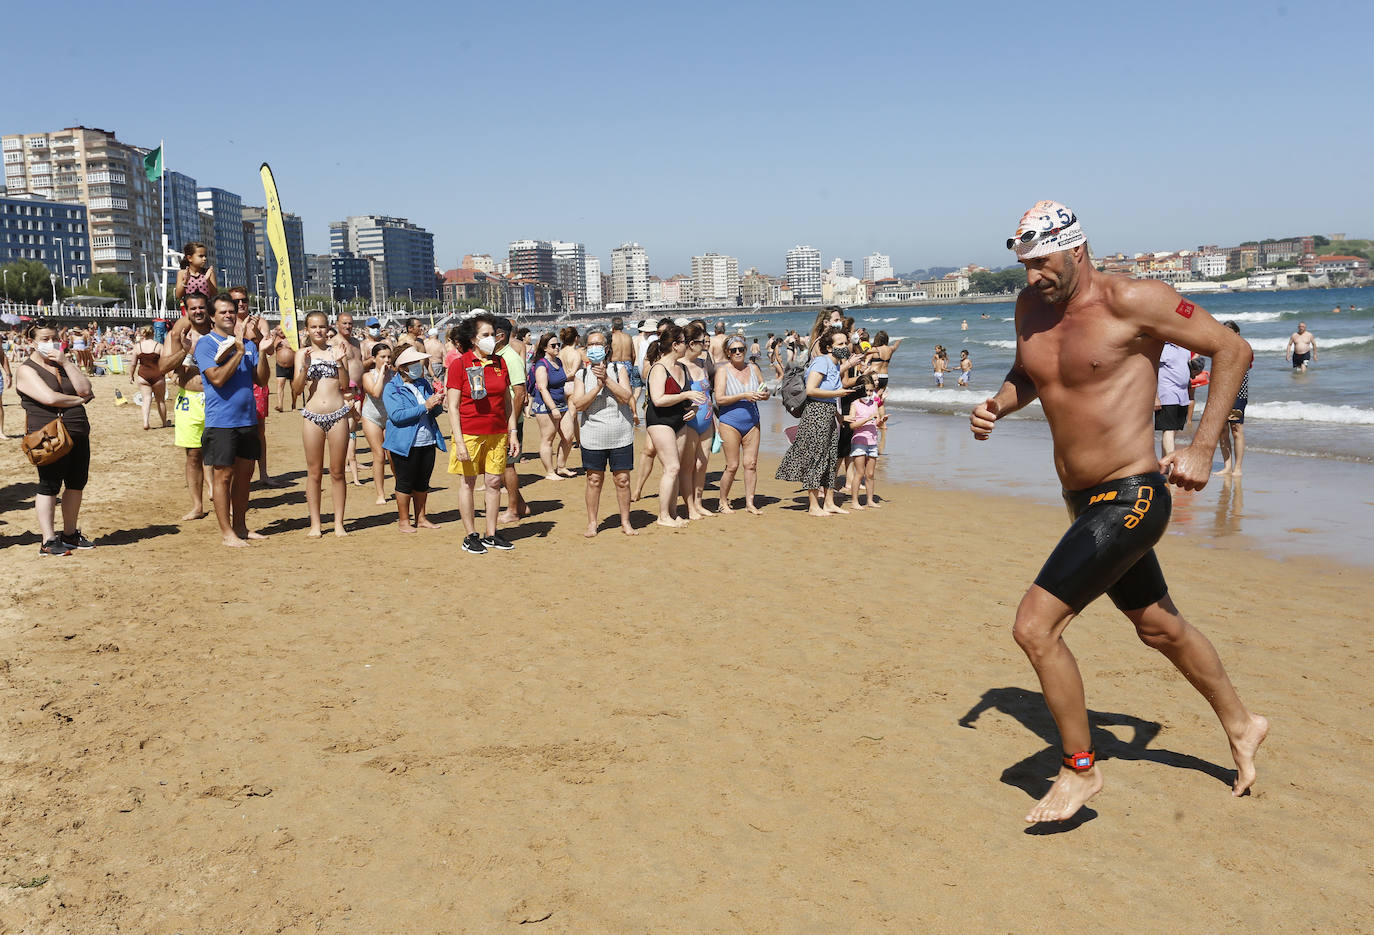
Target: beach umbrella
x,y
10,318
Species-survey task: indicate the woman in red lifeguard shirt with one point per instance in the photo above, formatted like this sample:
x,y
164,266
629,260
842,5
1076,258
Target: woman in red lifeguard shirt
x,y
482,416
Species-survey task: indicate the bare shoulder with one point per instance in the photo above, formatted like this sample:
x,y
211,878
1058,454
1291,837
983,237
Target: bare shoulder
x,y
1125,294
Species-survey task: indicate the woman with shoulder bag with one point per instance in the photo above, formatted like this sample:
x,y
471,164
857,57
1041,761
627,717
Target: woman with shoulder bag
x,y
54,391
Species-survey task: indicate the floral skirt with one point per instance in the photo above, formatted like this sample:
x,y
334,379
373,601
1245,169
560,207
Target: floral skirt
x,y
810,461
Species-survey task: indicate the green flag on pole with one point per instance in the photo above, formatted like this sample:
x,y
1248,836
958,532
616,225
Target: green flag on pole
x,y
152,165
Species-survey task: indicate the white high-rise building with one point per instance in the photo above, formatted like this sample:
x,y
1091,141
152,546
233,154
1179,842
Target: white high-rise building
x,y
592,273
715,279
804,274
841,267
630,275
570,271
877,266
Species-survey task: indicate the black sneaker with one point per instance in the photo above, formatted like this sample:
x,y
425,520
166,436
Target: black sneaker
x,y
76,540
54,547
473,544
498,541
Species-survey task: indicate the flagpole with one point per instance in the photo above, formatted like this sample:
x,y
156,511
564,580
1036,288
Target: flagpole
x,y
162,205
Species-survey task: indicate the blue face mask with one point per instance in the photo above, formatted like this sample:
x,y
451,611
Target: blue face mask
x,y
416,371
596,353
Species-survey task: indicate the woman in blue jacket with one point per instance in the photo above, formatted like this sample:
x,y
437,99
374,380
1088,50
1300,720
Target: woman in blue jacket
x,y
412,435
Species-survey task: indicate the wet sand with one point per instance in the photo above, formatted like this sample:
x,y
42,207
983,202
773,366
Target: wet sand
x,y
755,724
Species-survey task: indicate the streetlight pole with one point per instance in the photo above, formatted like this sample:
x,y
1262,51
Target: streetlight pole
x,y
52,279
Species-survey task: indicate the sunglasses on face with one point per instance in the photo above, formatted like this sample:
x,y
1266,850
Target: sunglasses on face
x,y
734,350
554,347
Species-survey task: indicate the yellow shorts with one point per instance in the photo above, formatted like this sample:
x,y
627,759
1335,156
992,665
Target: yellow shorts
x,y
486,455
189,413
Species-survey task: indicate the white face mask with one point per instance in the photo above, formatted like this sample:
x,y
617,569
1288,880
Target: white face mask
x,y
416,371
48,348
486,345
374,331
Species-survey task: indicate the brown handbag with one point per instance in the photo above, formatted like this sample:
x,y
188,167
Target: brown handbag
x,y
48,444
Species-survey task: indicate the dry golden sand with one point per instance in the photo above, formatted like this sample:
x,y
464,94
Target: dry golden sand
x,y
756,724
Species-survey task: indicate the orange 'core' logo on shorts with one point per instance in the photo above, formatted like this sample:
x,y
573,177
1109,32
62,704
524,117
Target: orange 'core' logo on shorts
x,y
1144,496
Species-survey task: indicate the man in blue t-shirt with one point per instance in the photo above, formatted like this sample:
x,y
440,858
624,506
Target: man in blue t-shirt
x,y
230,447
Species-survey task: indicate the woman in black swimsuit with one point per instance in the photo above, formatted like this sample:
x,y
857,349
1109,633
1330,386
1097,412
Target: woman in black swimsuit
x,y
671,402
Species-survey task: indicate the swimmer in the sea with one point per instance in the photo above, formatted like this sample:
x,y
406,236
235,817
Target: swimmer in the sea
x,y
1301,347
1088,345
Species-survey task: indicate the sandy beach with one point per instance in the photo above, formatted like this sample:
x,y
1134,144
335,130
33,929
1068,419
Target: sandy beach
x,y
769,724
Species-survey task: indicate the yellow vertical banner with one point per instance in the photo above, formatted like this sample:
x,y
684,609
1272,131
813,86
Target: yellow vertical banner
x,y
276,236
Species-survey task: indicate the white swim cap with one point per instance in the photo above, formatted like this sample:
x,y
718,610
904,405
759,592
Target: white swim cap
x,y
1047,228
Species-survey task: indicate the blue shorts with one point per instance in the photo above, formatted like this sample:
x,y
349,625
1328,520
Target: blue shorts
x,y
858,448
636,378
538,407
620,459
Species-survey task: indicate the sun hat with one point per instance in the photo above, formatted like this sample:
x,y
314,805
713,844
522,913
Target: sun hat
x,y
647,326
411,355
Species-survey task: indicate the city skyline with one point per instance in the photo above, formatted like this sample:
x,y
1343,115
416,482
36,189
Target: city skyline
x,y
1180,135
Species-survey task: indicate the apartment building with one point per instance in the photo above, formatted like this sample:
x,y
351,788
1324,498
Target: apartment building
x,y
716,279
226,210
532,259
91,167
804,274
266,260
52,232
877,266
592,275
630,275
405,252
570,273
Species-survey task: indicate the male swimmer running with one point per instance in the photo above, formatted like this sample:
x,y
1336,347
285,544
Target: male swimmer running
x,y
1088,345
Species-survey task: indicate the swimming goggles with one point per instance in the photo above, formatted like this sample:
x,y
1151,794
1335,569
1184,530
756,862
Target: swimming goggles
x,y
1031,236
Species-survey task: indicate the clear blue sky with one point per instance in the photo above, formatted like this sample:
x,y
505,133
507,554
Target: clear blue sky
x,y
920,131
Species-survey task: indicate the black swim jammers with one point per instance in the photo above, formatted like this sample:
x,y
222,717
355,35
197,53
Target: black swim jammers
x,y
1109,547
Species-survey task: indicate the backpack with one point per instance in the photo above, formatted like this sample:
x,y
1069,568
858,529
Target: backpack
x,y
792,388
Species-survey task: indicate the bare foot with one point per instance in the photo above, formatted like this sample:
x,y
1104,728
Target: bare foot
x,y
673,523
406,527
628,530
314,534
1222,471
857,506
253,535
873,504
567,473
837,509
553,477
725,507
634,498
380,501
340,531
146,427
195,514
817,513
1071,790
1235,473
234,542
753,509
1243,750
424,523
591,531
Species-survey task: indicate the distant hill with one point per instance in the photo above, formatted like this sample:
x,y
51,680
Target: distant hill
x,y
1364,248
935,272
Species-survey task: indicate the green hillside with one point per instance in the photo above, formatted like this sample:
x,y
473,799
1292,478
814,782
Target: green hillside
x,y
1364,248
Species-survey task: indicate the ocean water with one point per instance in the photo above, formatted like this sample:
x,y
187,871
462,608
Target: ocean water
x,y
1327,412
